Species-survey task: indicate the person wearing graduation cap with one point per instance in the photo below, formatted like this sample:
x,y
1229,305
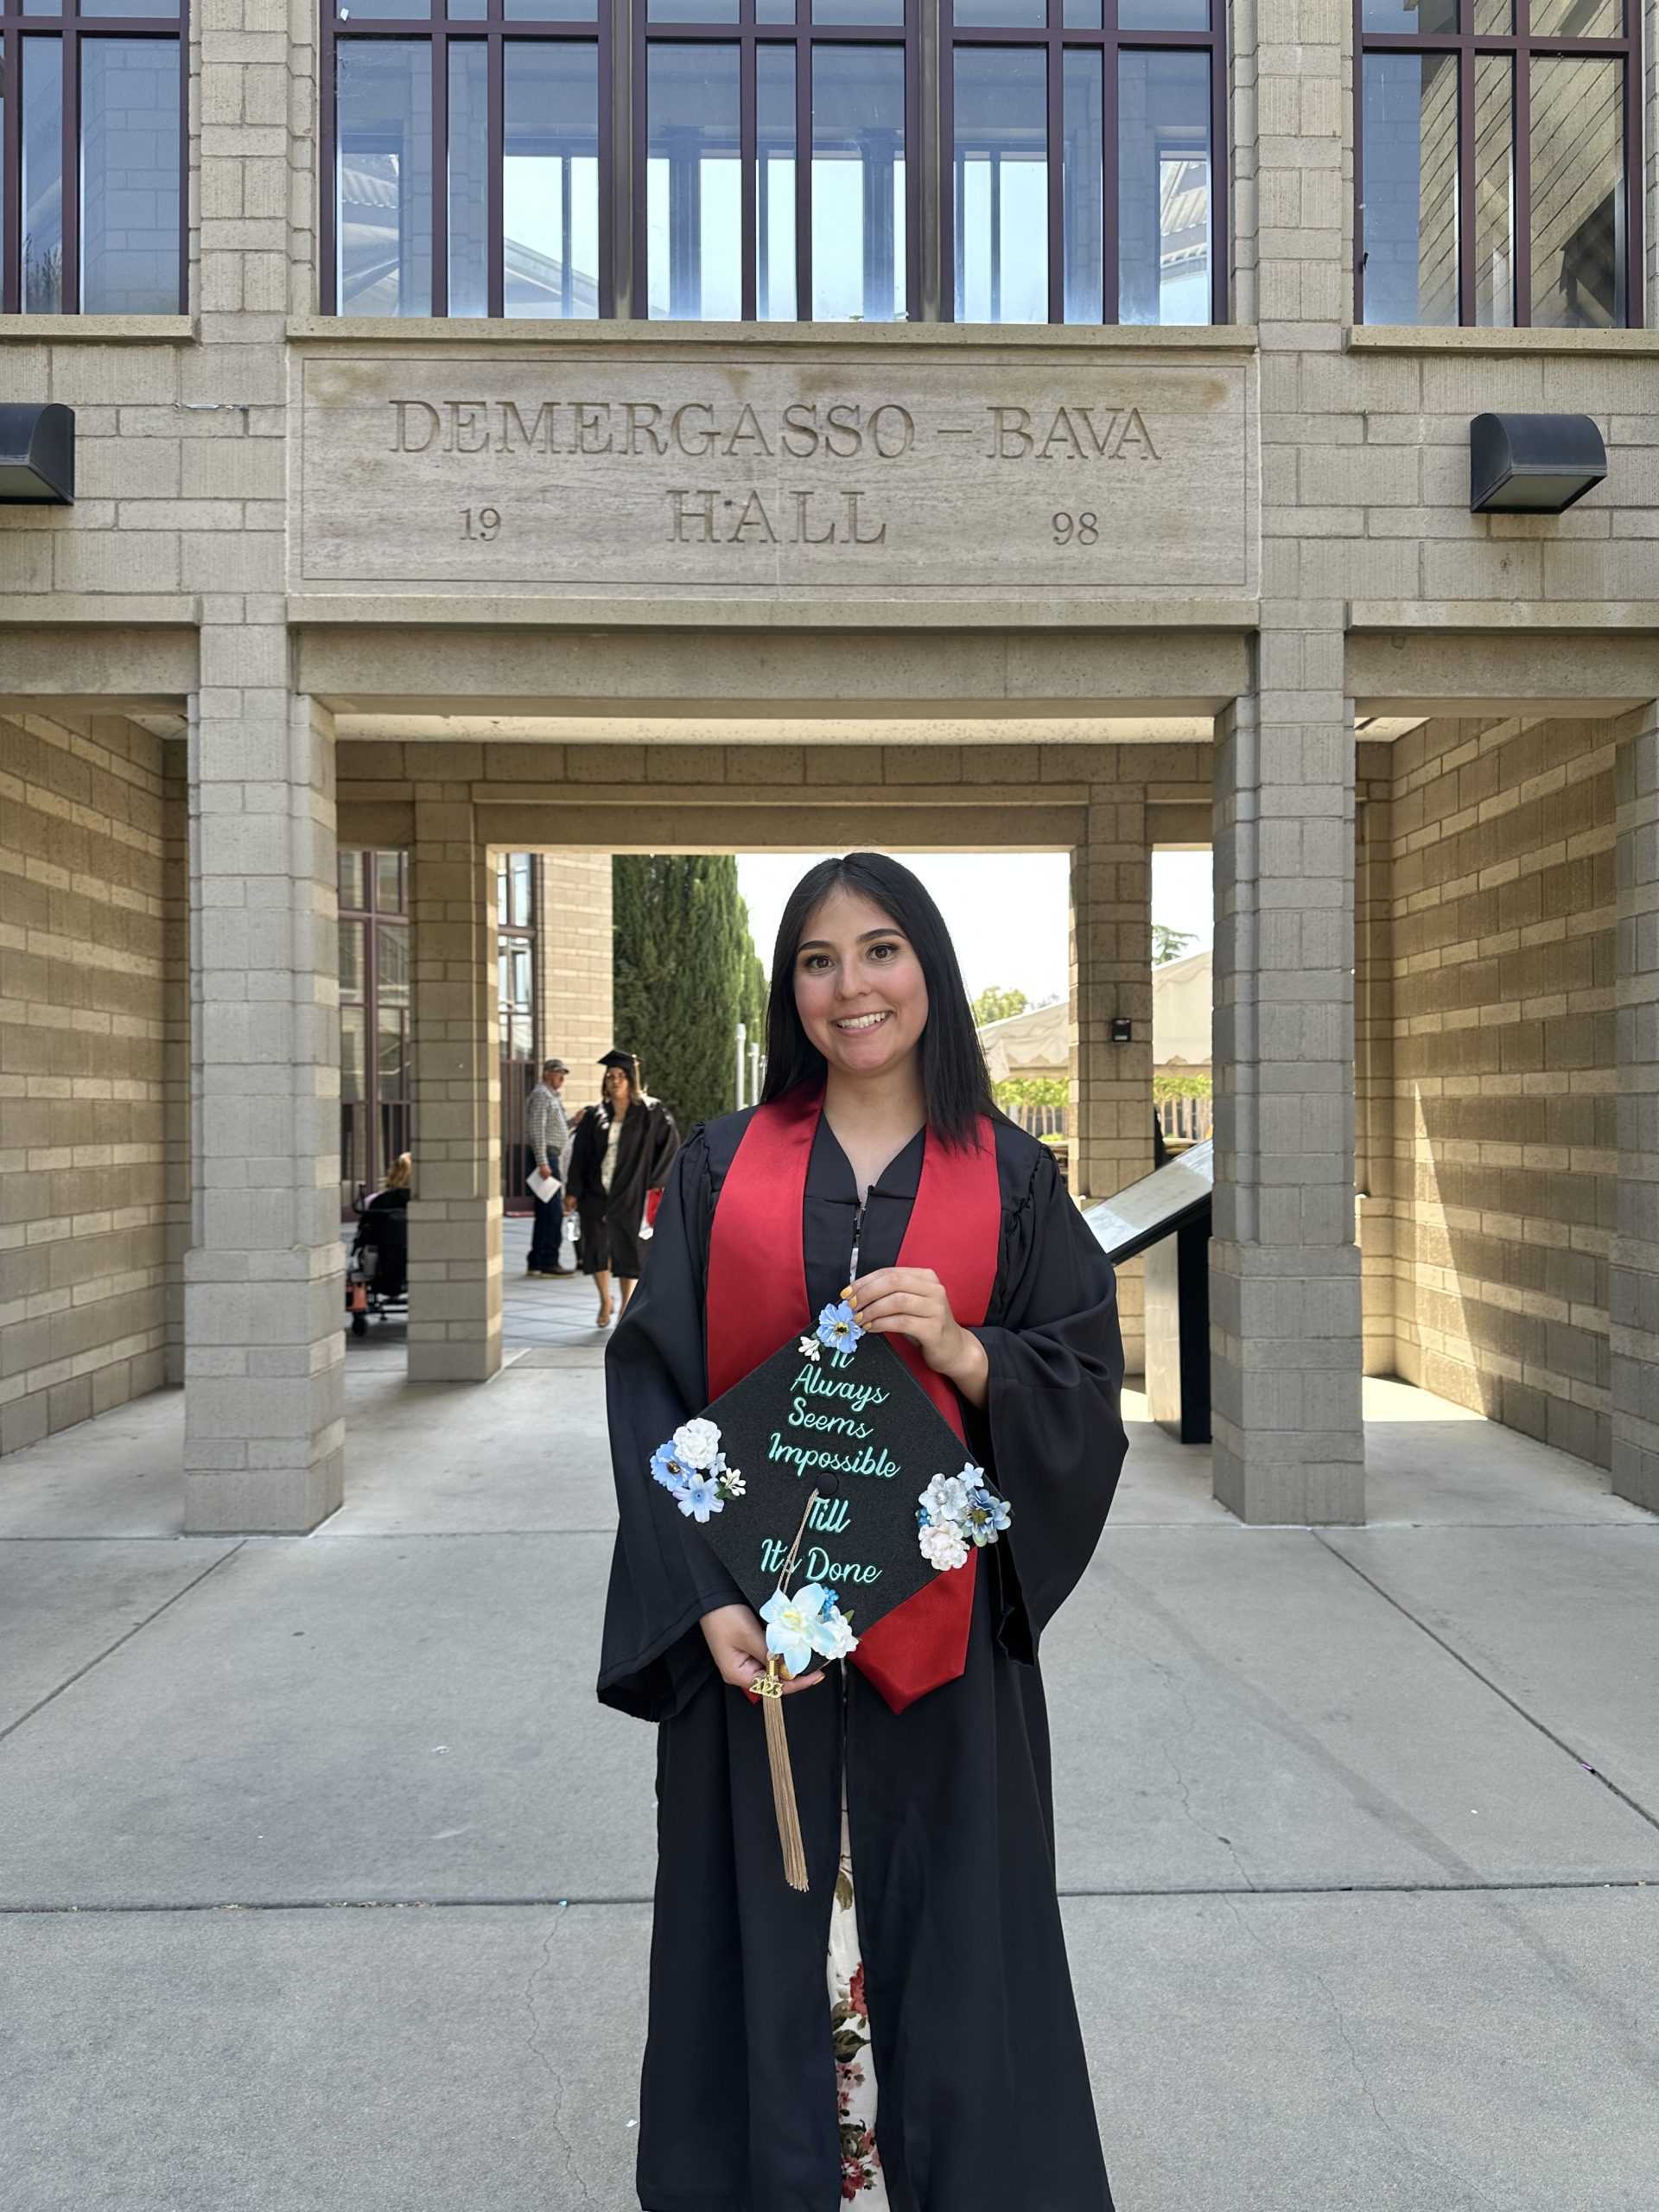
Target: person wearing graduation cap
x,y
622,1148
899,2032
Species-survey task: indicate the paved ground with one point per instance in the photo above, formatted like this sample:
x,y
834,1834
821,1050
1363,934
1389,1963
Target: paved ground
x,y
322,1877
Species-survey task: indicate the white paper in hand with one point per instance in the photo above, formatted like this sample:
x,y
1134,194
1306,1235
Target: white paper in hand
x,y
542,1185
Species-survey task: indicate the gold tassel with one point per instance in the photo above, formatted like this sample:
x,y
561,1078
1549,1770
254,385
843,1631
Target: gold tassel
x,y
769,1688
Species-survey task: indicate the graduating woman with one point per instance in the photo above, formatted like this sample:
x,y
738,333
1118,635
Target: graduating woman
x,y
622,1148
902,2035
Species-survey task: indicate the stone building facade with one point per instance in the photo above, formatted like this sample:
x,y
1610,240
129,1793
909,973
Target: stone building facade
x,y
530,577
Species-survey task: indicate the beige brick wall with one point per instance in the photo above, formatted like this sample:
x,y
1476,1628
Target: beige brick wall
x,y
1498,1204
576,981
93,1167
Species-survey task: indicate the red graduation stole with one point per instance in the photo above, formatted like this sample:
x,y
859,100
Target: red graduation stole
x,y
757,1297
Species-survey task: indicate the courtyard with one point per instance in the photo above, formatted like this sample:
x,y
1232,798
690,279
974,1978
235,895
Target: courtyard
x,y
325,1883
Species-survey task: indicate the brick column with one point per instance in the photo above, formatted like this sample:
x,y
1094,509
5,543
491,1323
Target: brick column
x,y
1285,1290
263,1341
1284,1286
176,1068
1374,1087
1111,976
455,1219
1633,1288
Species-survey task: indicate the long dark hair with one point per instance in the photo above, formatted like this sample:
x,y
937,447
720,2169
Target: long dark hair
x,y
953,1081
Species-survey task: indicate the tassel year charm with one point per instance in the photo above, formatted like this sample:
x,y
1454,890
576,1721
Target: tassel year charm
x,y
769,1688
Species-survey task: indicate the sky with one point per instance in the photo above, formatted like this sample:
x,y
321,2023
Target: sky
x,y
1007,911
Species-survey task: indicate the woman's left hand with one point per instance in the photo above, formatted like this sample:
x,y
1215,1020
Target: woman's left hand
x,y
913,1302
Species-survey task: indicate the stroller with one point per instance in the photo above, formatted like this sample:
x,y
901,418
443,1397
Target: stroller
x,y
376,1269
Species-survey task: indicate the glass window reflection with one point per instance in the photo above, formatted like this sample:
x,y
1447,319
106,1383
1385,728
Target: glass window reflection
x,y
1578,192
384,176
693,220
1083,196
469,178
1164,187
42,177
549,187
1000,111
1411,188
858,183
130,176
1494,191
774,184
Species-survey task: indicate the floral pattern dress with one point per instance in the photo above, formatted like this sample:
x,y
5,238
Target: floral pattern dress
x,y
861,2179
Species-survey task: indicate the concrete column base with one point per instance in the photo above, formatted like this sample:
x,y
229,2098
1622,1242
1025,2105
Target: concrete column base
x,y
454,1289
1288,1435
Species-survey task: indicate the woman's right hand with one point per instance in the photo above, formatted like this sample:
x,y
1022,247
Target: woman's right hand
x,y
737,1645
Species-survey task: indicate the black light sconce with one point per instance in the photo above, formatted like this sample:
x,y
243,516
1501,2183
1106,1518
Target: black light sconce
x,y
1532,464
1121,1030
37,456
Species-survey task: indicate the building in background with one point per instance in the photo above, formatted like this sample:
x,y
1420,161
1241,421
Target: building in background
x,y
1021,425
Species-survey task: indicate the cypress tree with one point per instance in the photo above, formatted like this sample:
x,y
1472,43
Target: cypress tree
x,y
684,971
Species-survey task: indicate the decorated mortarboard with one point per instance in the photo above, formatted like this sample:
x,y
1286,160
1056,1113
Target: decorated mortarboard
x,y
833,1491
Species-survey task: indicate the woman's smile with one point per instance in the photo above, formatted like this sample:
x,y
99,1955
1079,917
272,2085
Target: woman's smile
x,y
855,1023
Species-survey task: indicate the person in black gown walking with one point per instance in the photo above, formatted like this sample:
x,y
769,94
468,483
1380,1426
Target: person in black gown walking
x,y
903,2034
622,1150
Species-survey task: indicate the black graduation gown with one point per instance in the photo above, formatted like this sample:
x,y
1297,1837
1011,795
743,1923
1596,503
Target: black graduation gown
x,y
983,2095
610,1219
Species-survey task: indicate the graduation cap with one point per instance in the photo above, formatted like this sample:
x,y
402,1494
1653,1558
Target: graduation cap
x,y
827,1466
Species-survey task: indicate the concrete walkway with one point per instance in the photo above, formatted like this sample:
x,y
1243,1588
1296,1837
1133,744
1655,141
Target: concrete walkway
x,y
324,1880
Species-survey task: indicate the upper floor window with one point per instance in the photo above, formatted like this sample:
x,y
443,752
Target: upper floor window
x,y
776,160
92,179
1497,159
771,171
1081,185
466,152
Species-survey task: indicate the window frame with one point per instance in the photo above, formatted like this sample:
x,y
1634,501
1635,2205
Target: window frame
x,y
491,30
1521,46
1108,40
375,1108
70,27
798,37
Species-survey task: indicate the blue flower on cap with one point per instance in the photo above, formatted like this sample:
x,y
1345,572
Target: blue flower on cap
x,y
838,1329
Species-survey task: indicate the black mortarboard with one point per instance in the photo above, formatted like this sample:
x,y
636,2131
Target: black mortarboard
x,y
881,1442
617,1058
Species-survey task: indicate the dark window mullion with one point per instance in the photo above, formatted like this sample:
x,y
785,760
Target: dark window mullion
x,y
184,157
327,180
1112,306
495,170
748,180
1359,175
609,180
1056,91
1524,166
638,159
11,176
1636,305
804,178
1466,180
915,156
951,182
440,172
1221,252
69,184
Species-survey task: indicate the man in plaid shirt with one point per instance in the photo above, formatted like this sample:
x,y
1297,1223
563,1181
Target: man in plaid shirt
x,y
547,1133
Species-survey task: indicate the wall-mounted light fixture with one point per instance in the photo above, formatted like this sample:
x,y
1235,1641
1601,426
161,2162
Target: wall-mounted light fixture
x,y
1121,1031
1532,464
37,456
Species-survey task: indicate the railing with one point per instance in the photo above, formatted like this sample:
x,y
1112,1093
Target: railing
x,y
1186,1121
1041,1120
